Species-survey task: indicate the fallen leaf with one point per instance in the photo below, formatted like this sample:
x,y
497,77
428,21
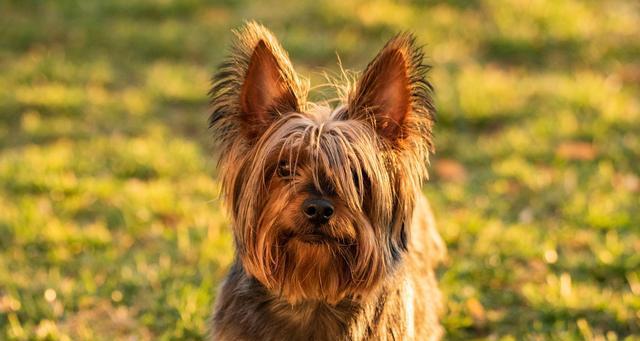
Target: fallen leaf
x,y
581,151
450,170
477,312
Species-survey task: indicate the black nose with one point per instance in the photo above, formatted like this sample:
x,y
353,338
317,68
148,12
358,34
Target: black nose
x,y
318,211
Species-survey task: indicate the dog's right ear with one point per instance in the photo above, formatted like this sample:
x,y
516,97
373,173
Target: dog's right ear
x,y
254,86
394,95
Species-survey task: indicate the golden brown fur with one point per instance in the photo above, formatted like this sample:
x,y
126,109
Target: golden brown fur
x,y
365,273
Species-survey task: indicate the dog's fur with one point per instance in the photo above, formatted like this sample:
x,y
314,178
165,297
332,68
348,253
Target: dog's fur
x,y
368,273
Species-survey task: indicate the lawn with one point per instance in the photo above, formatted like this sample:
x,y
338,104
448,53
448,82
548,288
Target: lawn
x,y
110,221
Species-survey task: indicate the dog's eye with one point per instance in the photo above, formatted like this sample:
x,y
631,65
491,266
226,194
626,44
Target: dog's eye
x,y
364,178
284,169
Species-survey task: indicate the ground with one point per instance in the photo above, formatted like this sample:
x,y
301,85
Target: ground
x,y
110,222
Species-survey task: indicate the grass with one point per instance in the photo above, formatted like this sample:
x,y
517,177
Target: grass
x,y
110,226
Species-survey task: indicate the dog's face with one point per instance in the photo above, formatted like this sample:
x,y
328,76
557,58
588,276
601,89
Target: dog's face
x,y
320,197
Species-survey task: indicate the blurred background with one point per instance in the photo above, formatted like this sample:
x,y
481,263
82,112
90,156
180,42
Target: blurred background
x,y
110,222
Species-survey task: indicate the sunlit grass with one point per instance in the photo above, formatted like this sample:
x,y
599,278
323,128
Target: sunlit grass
x,y
110,222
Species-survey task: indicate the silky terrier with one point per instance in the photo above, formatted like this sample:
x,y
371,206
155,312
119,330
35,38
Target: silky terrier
x,y
334,239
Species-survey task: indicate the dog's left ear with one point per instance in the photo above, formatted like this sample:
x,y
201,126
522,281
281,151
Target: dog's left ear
x,y
265,92
394,94
254,86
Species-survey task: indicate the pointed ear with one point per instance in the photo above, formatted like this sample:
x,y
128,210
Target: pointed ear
x,y
393,93
265,91
254,85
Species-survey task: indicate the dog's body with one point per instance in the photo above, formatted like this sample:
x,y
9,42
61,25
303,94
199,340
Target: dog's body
x,y
405,307
334,238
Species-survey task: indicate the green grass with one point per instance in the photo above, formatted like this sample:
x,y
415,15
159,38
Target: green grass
x,y
110,225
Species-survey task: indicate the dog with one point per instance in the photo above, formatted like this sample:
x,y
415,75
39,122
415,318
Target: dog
x,y
334,239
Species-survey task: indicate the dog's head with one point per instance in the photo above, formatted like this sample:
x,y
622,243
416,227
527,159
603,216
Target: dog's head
x,y
320,197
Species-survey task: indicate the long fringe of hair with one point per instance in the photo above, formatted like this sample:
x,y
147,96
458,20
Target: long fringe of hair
x,y
342,144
